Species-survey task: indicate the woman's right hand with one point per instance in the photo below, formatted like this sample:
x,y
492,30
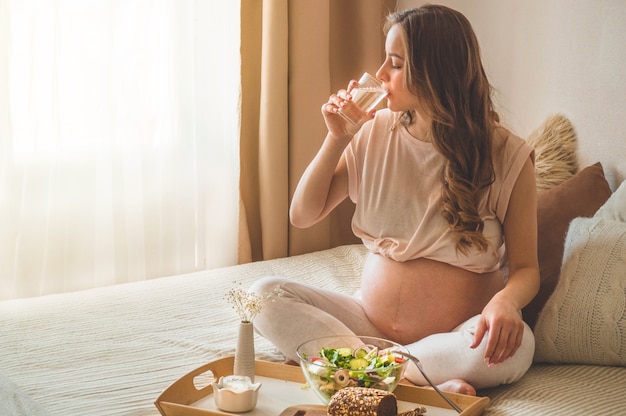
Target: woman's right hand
x,y
336,124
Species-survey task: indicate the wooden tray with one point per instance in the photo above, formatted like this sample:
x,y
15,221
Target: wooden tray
x,y
284,386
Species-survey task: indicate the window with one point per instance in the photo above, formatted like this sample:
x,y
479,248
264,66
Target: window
x,y
120,154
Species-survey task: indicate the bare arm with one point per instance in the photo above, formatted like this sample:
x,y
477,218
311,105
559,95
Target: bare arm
x,y
324,183
502,316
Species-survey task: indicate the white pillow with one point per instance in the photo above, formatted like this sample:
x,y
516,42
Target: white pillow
x,y
614,208
584,321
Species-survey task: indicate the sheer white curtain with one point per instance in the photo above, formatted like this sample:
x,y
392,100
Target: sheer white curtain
x,y
119,150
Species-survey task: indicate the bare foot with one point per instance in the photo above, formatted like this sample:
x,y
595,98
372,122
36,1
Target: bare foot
x,y
457,386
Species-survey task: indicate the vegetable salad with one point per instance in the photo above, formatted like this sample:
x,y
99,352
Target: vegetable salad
x,y
368,366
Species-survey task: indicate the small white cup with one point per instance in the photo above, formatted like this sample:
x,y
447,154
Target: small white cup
x,y
235,394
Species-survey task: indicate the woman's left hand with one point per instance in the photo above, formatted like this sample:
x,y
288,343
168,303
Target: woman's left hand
x,y
503,321
501,318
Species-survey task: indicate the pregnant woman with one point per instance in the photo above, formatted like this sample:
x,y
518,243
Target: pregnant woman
x,y
441,189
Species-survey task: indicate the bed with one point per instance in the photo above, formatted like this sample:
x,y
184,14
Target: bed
x,y
113,350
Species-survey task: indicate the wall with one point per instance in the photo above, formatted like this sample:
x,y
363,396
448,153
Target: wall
x,y
568,57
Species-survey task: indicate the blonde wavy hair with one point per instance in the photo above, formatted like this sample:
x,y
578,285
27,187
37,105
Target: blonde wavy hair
x,y
443,68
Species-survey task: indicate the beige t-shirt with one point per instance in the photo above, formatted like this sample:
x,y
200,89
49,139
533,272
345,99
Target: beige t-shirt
x,y
395,181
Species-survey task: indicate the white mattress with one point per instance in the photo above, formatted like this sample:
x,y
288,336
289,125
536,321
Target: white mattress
x,y
113,350
562,390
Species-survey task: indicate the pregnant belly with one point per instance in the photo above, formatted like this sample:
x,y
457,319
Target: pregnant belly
x,y
411,300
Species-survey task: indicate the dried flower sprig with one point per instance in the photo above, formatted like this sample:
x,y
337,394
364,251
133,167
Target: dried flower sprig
x,y
247,304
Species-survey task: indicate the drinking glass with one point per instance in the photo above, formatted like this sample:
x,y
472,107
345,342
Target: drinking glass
x,y
365,96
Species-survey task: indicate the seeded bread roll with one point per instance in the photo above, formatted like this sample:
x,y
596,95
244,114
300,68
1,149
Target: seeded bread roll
x,y
362,401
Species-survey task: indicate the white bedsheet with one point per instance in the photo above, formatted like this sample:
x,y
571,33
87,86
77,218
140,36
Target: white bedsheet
x,y
112,350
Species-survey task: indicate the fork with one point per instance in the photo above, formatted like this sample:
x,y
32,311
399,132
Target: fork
x,y
418,364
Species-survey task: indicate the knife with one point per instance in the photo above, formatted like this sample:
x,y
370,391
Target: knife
x,y
305,410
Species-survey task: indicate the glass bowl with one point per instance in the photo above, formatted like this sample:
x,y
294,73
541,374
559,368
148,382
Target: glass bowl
x,y
334,362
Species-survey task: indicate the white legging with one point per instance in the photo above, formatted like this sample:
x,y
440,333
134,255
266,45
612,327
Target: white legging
x,y
305,312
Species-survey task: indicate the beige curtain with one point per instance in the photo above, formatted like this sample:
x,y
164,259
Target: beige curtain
x,y
294,55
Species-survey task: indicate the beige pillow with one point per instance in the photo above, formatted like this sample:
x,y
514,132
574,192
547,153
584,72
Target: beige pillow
x,y
555,145
584,321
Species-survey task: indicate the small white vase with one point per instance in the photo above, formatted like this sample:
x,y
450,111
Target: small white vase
x,y
244,353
